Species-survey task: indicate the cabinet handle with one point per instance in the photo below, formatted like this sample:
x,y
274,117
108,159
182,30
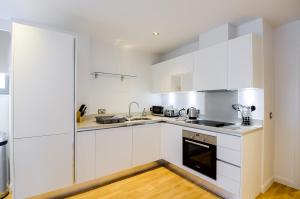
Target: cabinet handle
x,y
198,144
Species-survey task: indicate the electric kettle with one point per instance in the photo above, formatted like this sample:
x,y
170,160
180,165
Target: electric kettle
x,y
193,113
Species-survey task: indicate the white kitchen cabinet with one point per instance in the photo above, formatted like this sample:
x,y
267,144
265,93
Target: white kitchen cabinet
x,y
42,164
245,68
174,74
85,156
43,98
210,72
43,81
146,144
172,143
113,150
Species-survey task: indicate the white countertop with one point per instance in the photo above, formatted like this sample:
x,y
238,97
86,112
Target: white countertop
x,y
90,124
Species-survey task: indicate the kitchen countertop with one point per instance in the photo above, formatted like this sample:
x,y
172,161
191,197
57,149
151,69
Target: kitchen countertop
x,y
90,124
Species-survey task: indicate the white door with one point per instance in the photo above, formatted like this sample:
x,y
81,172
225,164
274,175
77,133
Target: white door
x,y
43,82
85,156
113,150
211,68
42,164
146,143
172,143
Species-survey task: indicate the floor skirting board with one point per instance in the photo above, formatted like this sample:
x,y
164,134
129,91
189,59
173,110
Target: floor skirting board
x,y
267,184
96,183
286,182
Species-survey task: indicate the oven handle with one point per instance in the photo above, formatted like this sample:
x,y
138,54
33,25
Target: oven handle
x,y
196,143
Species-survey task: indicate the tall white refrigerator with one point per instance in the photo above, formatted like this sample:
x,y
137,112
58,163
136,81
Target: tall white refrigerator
x,y
42,107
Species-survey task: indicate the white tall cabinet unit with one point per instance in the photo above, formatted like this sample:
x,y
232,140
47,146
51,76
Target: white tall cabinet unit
x,y
42,110
210,71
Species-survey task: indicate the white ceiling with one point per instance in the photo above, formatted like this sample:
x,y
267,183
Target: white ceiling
x,y
133,21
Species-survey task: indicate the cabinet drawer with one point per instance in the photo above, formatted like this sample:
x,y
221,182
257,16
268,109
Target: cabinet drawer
x,y
229,171
229,141
229,155
228,184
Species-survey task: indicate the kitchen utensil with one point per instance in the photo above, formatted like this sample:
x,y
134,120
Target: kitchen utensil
x,y
81,107
83,111
182,112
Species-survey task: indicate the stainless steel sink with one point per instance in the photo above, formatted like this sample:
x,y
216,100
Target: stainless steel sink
x,y
139,118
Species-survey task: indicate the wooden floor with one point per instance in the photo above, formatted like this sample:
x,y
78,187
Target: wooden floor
x,y
279,191
161,183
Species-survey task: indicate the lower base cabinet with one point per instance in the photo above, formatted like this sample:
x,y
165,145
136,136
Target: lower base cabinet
x,y
42,164
172,143
85,156
107,151
113,150
146,144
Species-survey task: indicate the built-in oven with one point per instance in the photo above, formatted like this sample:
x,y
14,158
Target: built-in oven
x,y
200,152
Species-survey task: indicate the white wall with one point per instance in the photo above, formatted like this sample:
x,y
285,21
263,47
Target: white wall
x,y
4,100
287,103
249,97
187,48
110,92
5,40
5,25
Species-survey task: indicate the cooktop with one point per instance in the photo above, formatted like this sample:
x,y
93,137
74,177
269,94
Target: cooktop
x,y
209,123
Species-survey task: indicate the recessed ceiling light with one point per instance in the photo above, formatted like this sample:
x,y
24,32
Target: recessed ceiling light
x,y
155,33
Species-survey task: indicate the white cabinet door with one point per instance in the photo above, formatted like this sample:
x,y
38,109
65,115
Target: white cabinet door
x,y
161,81
211,68
43,81
42,164
113,150
42,110
174,74
146,144
85,156
172,143
245,68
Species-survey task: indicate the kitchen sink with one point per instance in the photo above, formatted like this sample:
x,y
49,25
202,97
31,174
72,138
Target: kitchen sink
x,y
139,118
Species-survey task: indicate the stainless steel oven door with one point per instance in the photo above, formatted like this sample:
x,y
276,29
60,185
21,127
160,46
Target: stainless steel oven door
x,y
200,155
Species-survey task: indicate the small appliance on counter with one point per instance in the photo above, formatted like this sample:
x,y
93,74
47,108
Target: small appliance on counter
x,y
157,110
246,113
171,113
182,112
193,113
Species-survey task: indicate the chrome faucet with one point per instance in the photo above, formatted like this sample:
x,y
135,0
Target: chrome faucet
x,y
129,112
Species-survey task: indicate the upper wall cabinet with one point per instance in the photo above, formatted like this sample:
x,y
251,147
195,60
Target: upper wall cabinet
x,y
232,65
245,67
211,68
173,75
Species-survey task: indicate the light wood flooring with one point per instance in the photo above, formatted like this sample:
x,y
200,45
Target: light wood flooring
x,y
161,183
